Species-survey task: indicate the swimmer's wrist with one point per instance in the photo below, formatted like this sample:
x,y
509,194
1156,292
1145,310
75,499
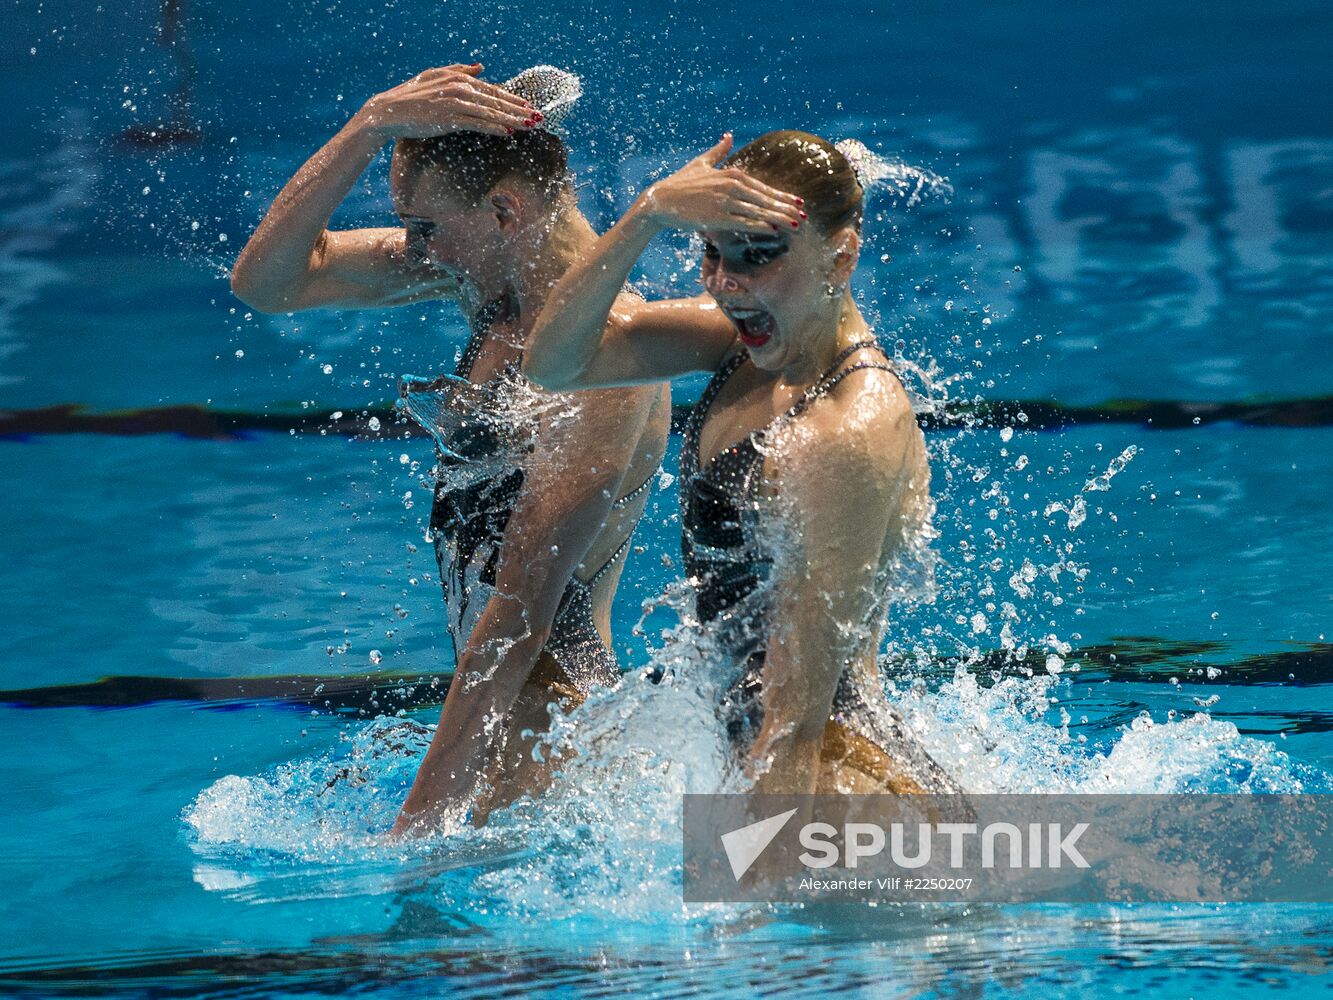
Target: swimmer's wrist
x,y
645,215
369,126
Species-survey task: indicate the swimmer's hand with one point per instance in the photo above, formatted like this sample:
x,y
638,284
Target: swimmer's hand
x,y
447,99
701,196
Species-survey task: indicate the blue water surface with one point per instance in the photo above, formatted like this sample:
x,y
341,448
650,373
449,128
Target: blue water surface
x,y
1142,210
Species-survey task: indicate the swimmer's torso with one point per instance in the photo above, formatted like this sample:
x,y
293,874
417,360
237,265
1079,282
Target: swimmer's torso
x,y
489,429
725,502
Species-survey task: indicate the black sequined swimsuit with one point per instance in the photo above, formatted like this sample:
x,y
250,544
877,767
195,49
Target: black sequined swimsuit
x,y
469,516
722,506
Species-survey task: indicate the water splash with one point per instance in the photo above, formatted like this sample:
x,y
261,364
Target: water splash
x,y
1077,509
905,183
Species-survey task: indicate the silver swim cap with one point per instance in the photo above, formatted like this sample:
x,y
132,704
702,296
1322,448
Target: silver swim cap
x,y
550,90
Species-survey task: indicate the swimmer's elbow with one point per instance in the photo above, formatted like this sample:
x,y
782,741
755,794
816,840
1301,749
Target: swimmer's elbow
x,y
257,287
254,295
244,287
542,368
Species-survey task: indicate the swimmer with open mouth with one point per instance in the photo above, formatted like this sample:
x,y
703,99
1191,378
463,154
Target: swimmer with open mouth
x,y
804,480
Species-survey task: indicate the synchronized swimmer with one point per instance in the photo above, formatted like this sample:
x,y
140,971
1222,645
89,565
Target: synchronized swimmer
x,y
530,551
804,481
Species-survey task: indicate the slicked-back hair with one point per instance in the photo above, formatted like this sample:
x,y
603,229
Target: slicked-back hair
x,y
473,163
810,167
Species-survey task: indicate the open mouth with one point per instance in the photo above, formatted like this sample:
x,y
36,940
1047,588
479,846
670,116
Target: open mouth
x,y
755,326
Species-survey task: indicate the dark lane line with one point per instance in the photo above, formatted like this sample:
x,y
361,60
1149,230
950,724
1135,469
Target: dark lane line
x,y
1130,659
203,423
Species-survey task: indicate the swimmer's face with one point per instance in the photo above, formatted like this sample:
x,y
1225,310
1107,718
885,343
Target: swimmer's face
x,y
774,287
444,230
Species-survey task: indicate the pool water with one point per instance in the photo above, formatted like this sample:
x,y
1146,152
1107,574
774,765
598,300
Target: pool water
x,y
221,613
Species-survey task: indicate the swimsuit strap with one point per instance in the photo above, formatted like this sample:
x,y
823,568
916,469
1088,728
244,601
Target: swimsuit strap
x,y
635,492
482,321
832,377
694,427
620,549
591,582
849,351
856,368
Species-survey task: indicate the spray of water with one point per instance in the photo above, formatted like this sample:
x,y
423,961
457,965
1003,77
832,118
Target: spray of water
x,y
987,580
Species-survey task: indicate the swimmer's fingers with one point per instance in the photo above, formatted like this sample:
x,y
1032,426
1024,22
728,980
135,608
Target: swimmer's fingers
x,y
748,222
476,117
750,197
468,91
508,108
762,194
456,82
757,219
502,97
488,126
451,103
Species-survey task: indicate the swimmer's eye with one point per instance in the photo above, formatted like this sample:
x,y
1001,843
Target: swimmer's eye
x,y
762,255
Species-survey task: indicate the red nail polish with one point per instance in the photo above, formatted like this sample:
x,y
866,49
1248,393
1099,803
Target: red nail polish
x,y
509,130
796,225
804,216
537,116
800,201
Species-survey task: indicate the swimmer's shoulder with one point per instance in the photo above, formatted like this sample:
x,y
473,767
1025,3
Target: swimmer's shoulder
x,y
869,394
867,421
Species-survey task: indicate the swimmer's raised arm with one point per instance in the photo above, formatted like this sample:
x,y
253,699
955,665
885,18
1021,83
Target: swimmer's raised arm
x,y
293,261
590,335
